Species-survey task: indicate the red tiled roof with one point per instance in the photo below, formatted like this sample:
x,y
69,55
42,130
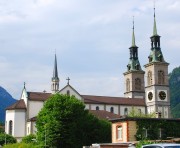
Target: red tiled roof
x,y
20,104
102,114
38,96
113,100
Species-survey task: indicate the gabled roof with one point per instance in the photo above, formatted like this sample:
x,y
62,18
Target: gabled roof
x,y
113,100
38,96
20,104
102,114
68,85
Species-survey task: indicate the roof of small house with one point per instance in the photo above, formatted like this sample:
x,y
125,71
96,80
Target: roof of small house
x,y
20,104
125,118
113,100
102,114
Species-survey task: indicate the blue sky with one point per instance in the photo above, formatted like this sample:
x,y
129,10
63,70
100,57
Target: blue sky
x,y
91,38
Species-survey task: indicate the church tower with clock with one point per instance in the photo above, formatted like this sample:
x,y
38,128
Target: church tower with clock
x,y
156,75
134,76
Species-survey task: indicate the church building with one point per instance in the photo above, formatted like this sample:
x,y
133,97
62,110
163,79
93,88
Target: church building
x,y
152,97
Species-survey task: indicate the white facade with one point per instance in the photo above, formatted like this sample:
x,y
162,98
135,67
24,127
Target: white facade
x,y
18,120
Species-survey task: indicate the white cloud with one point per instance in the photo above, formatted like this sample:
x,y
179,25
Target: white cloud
x,y
91,39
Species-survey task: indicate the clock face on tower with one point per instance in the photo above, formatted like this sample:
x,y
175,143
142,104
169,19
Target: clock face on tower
x,y
150,96
162,95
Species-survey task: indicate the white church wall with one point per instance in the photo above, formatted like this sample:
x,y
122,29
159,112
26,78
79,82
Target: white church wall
x,y
71,92
100,106
87,106
34,108
19,123
34,129
129,108
115,108
24,96
28,128
10,114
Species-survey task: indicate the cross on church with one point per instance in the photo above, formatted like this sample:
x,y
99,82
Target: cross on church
x,y
24,84
68,79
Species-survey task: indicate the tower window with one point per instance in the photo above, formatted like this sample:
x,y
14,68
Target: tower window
x,y
137,84
149,78
160,77
97,107
127,85
112,109
10,127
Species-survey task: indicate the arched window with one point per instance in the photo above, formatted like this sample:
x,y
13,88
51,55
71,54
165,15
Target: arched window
x,y
10,127
126,111
160,77
137,84
97,107
112,109
68,93
119,133
127,85
149,78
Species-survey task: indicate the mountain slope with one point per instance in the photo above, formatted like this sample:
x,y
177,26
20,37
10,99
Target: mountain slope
x,y
174,84
5,100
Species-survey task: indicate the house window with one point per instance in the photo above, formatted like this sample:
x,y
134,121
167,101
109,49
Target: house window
x,y
68,93
126,111
112,109
149,78
138,84
10,127
160,77
127,85
139,111
119,133
97,107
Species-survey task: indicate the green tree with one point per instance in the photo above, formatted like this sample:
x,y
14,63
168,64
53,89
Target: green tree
x,y
1,127
5,138
64,122
135,113
29,139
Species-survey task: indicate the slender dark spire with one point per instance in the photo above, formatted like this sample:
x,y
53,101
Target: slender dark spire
x,y
55,71
154,27
55,78
133,36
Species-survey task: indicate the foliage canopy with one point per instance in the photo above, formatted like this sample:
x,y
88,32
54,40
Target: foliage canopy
x,y
64,122
5,138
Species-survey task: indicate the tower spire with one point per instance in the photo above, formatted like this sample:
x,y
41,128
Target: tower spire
x,y
55,71
154,27
55,78
133,36
133,64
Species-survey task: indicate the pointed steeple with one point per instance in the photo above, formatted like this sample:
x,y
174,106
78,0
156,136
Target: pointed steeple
x,y
154,27
55,78
133,62
55,71
156,54
133,36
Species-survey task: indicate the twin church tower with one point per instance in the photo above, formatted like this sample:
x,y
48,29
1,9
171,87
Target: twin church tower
x,y
151,84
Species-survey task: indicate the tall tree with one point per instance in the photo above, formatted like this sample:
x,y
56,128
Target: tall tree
x,y
64,122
